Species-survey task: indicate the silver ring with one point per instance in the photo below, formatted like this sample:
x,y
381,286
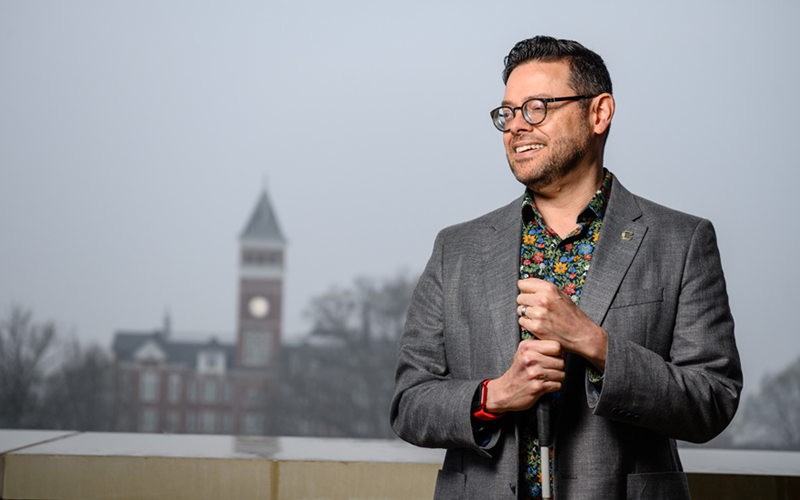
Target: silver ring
x,y
522,311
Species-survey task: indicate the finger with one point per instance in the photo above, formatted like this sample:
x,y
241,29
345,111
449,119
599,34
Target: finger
x,y
524,310
530,285
533,286
550,369
538,326
549,348
534,308
526,299
545,386
552,387
536,312
554,375
545,347
548,354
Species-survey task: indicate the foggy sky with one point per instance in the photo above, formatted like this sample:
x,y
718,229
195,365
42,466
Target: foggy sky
x,y
136,137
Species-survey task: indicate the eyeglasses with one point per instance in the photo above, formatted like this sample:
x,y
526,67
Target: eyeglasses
x,y
533,110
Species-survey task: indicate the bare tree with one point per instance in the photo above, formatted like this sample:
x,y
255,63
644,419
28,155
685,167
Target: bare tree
x,y
771,418
370,309
24,346
340,382
80,393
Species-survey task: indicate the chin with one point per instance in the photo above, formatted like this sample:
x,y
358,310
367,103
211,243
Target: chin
x,y
531,177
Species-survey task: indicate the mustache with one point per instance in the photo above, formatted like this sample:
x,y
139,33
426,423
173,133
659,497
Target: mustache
x,y
527,138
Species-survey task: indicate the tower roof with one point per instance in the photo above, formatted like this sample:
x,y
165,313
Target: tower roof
x,y
263,225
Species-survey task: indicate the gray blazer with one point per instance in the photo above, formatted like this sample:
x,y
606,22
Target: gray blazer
x,y
672,369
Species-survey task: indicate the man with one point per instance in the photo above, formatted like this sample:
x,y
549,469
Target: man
x,y
614,306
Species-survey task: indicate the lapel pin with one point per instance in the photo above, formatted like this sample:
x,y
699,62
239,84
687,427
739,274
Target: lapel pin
x,y
627,235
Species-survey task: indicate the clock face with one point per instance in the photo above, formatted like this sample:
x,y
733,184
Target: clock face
x,y
258,307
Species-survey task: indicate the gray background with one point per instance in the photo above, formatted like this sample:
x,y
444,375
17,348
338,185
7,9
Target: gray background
x,y
135,138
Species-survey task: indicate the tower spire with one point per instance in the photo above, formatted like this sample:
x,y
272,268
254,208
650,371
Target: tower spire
x,y
263,224
167,328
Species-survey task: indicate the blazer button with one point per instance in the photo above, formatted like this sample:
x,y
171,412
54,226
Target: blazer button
x,y
636,418
615,411
630,416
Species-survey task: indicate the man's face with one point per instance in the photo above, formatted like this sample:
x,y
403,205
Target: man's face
x,y
541,154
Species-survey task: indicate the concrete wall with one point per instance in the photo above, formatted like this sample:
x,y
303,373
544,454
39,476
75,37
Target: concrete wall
x,y
55,465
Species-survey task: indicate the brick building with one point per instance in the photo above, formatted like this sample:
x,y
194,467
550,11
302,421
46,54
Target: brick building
x,y
167,385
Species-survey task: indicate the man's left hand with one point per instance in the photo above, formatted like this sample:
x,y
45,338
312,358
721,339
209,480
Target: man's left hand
x,y
550,314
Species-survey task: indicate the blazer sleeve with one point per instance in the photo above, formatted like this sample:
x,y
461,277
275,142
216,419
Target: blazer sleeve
x,y
688,389
430,406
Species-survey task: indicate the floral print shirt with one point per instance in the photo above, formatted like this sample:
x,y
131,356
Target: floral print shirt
x,y
564,262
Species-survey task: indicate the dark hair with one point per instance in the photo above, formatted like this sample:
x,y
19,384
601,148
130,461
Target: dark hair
x,y
588,72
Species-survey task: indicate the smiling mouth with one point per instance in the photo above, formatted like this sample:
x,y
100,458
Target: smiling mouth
x,y
528,147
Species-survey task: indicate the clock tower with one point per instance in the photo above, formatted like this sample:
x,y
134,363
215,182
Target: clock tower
x,y
261,258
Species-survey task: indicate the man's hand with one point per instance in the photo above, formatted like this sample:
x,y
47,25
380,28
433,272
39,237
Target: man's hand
x,y
537,369
550,314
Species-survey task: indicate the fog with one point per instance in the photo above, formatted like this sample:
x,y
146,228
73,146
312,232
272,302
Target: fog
x,y
136,137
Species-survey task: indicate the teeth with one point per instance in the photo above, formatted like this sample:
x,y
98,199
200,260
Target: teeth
x,y
529,146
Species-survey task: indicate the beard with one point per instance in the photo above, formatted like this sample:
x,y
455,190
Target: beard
x,y
563,155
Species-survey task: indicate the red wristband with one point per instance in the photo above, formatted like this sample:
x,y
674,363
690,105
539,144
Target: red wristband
x,y
481,413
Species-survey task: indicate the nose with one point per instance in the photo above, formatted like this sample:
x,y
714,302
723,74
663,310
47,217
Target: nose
x,y
519,124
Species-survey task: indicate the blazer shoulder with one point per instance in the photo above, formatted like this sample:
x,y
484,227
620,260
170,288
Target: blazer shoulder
x,y
625,204
501,218
661,214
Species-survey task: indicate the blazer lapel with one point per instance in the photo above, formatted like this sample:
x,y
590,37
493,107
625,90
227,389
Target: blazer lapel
x,y
500,275
620,237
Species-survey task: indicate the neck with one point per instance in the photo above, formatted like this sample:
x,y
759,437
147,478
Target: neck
x,y
563,200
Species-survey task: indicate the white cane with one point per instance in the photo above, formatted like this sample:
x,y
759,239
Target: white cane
x,y
543,421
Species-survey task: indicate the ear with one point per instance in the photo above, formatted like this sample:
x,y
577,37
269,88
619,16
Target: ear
x,y
601,113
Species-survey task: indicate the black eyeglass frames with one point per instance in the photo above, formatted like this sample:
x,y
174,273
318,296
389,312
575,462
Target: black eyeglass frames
x,y
533,110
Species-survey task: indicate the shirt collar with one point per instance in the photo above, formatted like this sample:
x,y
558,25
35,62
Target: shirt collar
x,y
596,207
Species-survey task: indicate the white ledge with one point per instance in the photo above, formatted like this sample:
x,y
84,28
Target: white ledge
x,y
65,465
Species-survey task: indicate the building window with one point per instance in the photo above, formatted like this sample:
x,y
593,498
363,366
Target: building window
x,y
172,421
209,391
174,388
191,421
148,386
227,394
257,258
123,422
252,397
191,391
227,423
149,420
126,385
253,424
209,422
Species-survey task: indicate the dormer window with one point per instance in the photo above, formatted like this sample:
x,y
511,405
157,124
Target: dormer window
x,y
150,352
211,362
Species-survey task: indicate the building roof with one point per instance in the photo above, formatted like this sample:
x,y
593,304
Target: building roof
x,y
263,225
183,353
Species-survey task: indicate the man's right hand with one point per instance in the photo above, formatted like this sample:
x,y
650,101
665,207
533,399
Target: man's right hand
x,y
537,369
